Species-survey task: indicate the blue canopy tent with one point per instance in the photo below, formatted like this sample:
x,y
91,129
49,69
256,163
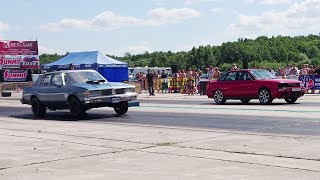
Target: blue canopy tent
x,y
113,70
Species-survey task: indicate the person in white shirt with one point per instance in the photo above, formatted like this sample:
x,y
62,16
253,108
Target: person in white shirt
x,y
210,73
288,70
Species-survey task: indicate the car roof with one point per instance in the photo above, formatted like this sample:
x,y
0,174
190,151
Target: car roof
x,y
66,71
240,70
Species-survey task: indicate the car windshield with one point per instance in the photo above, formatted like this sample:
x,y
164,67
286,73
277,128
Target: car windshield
x,y
262,74
83,77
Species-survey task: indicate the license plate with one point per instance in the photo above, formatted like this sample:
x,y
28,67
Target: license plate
x,y
115,100
296,89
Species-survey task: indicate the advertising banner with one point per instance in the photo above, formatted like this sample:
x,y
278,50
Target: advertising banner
x,y
15,75
18,48
19,62
311,81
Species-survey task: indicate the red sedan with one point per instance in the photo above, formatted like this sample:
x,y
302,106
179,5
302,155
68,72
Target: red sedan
x,y
254,84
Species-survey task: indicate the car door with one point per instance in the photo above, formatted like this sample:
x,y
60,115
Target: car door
x,y
57,93
44,89
229,85
246,85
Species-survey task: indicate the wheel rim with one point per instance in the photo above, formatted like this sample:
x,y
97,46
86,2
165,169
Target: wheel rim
x,y
264,96
218,96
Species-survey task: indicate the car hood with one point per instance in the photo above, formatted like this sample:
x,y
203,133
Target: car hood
x,y
108,85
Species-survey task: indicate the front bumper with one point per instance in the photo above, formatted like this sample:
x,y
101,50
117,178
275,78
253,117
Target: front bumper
x,y
290,94
111,99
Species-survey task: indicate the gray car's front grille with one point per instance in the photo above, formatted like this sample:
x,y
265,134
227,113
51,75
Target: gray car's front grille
x,y
106,92
120,91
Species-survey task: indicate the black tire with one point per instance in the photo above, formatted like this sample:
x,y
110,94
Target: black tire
x,y
38,109
77,109
121,108
265,96
245,100
290,100
218,97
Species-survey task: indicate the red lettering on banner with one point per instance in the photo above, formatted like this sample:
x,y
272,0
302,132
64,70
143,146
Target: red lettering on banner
x,y
20,45
10,61
9,75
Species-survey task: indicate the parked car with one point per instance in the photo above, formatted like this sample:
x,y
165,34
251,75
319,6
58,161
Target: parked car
x,y
77,90
254,84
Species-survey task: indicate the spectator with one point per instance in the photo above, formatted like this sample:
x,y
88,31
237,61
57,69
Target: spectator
x,y
190,87
317,71
288,70
164,75
311,70
189,73
234,67
294,70
272,71
304,70
216,74
281,73
71,66
210,72
150,79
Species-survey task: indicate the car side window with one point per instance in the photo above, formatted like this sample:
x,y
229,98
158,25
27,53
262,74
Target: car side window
x,y
247,77
37,83
231,76
56,80
243,76
46,80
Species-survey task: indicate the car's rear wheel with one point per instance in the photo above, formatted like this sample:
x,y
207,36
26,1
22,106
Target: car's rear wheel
x,y
77,109
245,100
218,97
265,96
121,107
290,100
38,109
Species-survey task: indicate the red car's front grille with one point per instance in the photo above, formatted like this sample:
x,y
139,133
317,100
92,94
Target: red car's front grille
x,y
289,85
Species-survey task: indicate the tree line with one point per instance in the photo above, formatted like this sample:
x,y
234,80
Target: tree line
x,y
265,52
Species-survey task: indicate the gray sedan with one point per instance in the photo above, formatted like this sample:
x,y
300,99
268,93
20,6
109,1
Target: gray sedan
x,y
77,90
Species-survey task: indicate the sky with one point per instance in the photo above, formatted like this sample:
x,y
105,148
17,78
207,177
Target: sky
x,y
135,26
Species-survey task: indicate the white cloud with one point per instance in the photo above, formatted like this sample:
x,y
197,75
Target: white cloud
x,y
45,50
139,49
299,18
199,1
272,2
268,2
188,2
4,26
108,21
215,10
249,1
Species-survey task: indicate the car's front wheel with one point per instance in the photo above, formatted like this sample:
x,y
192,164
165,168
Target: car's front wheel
x,y
38,109
265,96
76,108
121,107
218,97
290,100
245,100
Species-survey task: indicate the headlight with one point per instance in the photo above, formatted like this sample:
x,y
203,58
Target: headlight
x,y
130,90
301,84
94,93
